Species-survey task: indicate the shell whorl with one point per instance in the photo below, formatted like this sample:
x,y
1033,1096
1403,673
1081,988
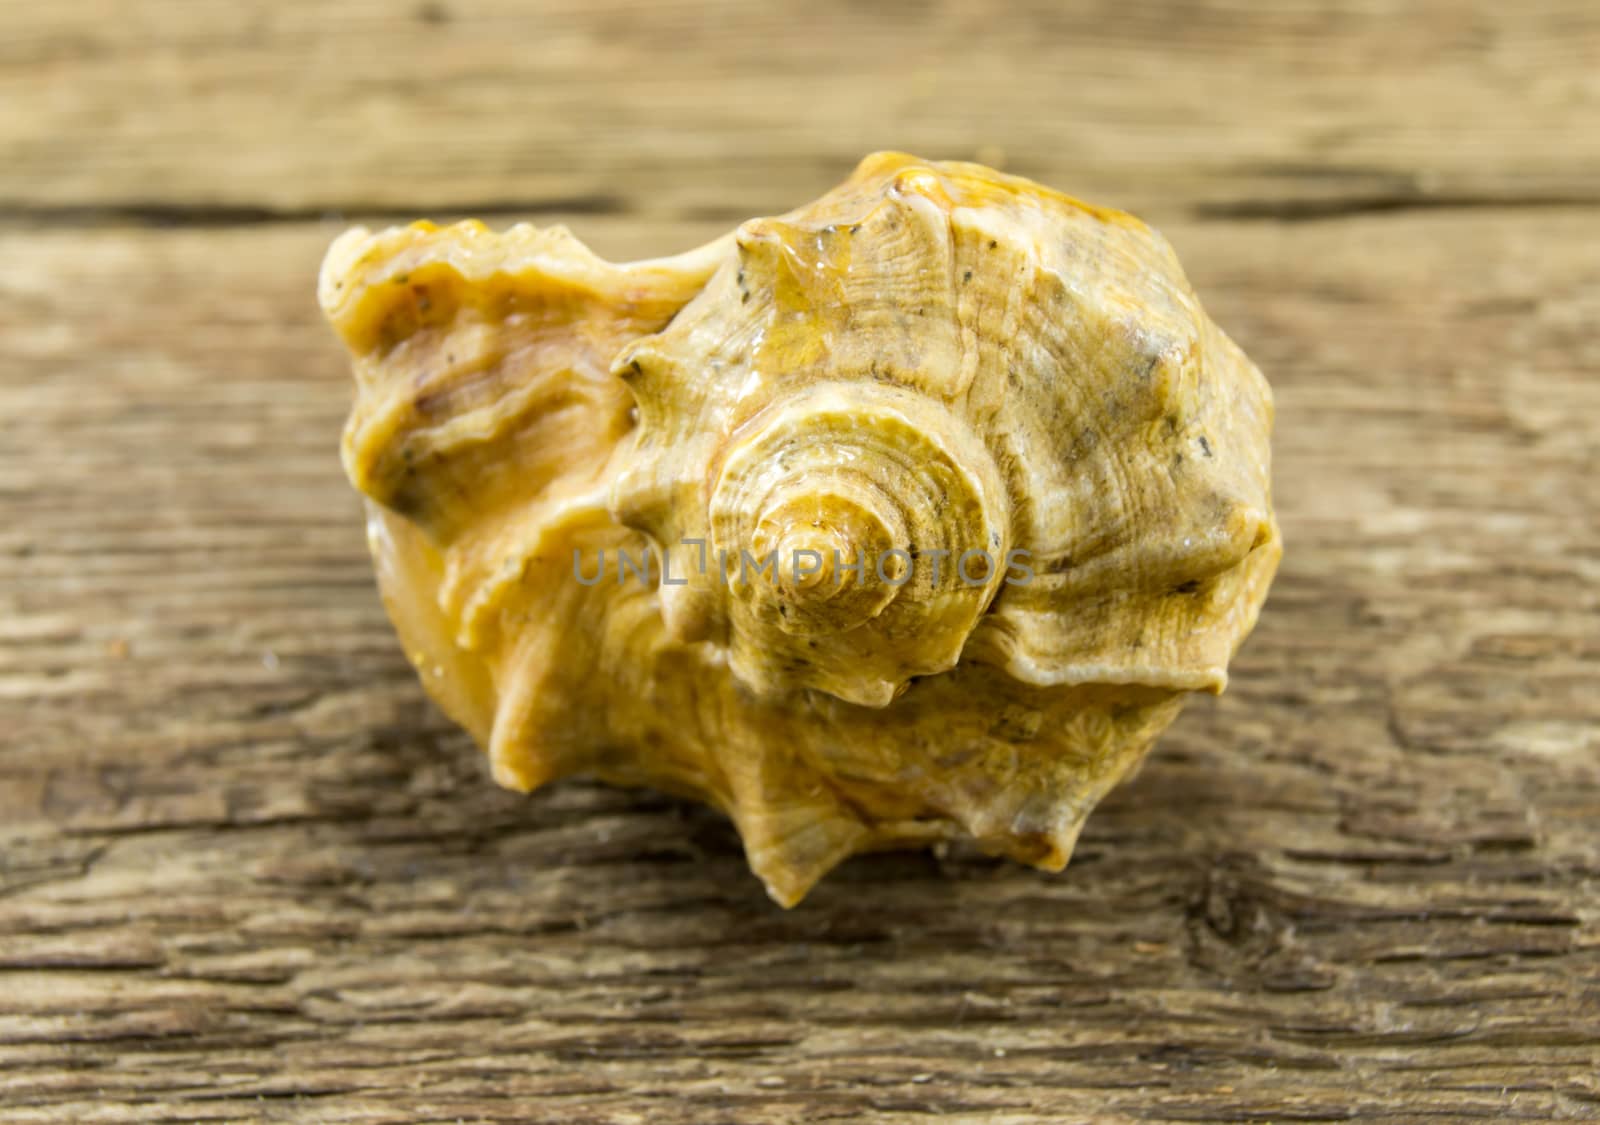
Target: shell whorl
x,y
838,523
935,358
883,521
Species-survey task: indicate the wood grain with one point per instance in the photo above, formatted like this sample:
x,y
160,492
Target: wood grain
x,y
248,873
169,110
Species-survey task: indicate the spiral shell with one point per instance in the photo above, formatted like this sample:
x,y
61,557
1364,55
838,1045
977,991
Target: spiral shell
x,y
941,492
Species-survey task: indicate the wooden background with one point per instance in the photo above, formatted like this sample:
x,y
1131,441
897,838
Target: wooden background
x,y
247,873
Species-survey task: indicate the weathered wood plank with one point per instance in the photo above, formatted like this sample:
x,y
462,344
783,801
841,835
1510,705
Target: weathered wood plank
x,y
157,108
247,872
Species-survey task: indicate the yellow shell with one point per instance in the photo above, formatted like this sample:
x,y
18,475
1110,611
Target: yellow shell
x,y
909,515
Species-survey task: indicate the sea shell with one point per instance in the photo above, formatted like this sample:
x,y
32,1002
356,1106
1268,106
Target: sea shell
x,y
910,515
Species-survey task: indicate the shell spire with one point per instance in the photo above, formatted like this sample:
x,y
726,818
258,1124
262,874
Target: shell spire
x,y
940,493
